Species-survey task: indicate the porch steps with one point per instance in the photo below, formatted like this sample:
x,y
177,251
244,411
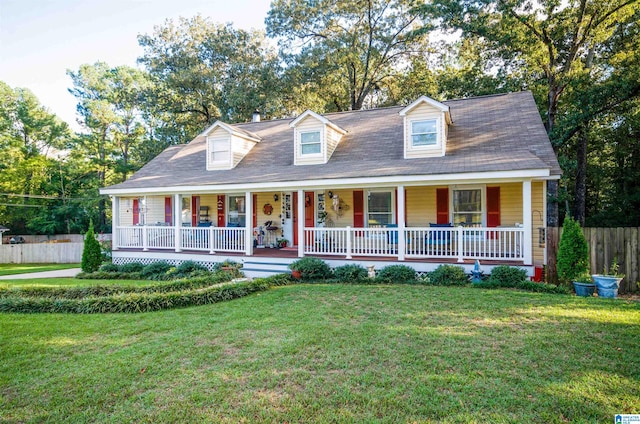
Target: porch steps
x,y
254,269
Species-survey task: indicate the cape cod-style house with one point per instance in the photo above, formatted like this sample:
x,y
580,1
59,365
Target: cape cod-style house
x,y
424,184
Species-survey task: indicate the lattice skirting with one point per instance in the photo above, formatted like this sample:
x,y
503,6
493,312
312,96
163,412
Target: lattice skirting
x,y
173,262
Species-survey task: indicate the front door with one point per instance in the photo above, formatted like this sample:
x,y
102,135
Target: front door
x,y
287,218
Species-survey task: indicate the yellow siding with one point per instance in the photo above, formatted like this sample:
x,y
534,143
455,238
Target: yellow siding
x,y
210,200
537,220
126,211
333,220
155,210
262,200
510,204
421,206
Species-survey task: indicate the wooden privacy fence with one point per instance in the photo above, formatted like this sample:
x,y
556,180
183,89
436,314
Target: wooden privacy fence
x,y
605,245
41,253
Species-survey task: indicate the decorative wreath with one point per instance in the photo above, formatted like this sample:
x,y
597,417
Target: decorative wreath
x,y
267,209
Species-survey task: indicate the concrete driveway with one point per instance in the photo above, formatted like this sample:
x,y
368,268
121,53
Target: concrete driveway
x,y
61,273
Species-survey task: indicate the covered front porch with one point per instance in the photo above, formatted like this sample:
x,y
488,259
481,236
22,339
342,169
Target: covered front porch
x,y
501,221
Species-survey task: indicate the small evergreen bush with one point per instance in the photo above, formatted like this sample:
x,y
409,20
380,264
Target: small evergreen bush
x,y
109,268
156,270
91,253
448,275
132,267
311,268
350,273
507,276
397,274
573,252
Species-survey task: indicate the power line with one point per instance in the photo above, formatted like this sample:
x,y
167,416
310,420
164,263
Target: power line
x,y
22,205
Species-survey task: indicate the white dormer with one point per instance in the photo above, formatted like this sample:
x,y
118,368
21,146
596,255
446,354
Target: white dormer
x,y
315,138
227,145
426,124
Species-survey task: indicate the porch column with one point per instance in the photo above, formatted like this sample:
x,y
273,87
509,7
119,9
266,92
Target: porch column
x,y
402,244
248,207
177,220
300,218
527,222
115,221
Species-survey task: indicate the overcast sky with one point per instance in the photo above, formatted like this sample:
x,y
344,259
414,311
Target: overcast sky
x,y
41,39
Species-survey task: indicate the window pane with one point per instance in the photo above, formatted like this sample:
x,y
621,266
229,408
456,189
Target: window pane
x,y
237,211
379,209
376,219
310,148
424,139
310,137
421,127
467,207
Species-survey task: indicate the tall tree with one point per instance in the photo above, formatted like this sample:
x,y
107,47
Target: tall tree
x,y
347,51
203,72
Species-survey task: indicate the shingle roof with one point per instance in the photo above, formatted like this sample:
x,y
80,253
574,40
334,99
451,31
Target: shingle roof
x,y
491,133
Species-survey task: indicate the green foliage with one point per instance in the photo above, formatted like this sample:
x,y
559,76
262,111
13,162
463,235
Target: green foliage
x,y
91,253
573,252
156,270
448,275
189,267
350,273
311,268
132,267
507,276
396,274
109,268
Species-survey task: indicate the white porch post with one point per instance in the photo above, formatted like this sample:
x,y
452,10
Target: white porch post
x,y
526,220
300,218
177,220
115,222
401,223
248,209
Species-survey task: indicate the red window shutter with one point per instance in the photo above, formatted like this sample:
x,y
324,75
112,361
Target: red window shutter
x,y
221,211
309,213
167,210
358,209
195,210
254,205
136,211
442,206
493,206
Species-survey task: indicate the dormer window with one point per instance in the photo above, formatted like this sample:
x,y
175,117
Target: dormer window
x,y
424,132
218,150
310,143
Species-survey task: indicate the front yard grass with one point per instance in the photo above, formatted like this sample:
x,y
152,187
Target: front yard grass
x,y
13,269
330,353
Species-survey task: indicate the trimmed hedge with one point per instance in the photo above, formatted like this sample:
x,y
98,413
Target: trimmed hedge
x,y
351,273
447,275
134,302
507,276
396,274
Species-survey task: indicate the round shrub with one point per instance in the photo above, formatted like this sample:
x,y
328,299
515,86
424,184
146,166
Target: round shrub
x,y
448,275
573,252
311,268
109,268
507,276
155,270
132,267
189,267
397,274
351,272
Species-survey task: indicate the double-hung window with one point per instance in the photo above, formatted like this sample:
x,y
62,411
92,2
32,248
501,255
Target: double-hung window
x,y
310,143
379,208
424,133
219,151
237,214
467,207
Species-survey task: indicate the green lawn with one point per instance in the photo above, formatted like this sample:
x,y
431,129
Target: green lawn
x,y
68,282
330,353
12,269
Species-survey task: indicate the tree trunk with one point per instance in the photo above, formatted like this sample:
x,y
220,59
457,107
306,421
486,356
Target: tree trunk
x,y
552,203
581,176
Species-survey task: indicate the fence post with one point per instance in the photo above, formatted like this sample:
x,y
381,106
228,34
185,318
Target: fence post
x,y
145,239
460,236
348,242
211,251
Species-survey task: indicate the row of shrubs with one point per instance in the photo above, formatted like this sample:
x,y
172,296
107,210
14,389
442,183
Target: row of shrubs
x,y
133,302
157,271
503,276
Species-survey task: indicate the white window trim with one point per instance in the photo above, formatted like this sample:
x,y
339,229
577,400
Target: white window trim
x,y
483,200
438,143
393,203
322,143
210,143
227,210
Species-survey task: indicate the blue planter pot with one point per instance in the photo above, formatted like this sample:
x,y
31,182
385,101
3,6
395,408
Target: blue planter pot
x,y
584,289
608,293
606,281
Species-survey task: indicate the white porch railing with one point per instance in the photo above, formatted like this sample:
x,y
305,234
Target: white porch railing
x,y
209,239
442,242
459,243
